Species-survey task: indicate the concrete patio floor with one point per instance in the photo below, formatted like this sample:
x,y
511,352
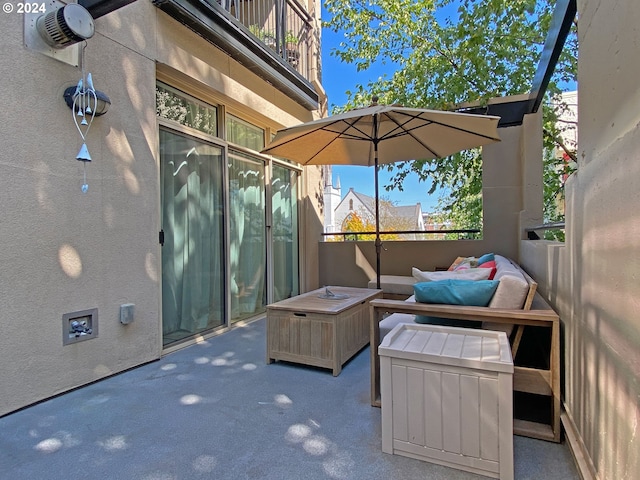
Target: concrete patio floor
x,y
215,410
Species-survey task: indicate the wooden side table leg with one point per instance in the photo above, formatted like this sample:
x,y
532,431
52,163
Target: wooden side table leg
x,y
555,379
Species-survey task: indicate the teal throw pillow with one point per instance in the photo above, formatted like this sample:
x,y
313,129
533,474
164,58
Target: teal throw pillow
x,y
475,293
487,257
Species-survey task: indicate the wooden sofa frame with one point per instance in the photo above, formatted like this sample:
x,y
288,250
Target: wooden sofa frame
x,y
535,312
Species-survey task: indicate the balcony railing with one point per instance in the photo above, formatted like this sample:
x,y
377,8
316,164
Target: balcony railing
x,y
460,234
282,25
532,233
278,40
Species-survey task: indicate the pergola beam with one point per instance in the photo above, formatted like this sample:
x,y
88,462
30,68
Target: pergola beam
x,y
561,23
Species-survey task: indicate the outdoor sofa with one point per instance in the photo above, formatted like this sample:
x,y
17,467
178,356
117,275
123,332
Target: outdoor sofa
x,y
513,305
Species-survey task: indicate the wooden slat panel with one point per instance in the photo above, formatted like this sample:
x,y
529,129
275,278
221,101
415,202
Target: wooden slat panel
x,y
435,344
316,346
316,362
470,415
311,303
418,343
476,465
489,419
433,408
305,337
283,340
453,346
490,350
327,340
415,406
294,336
533,430
498,315
451,412
531,380
472,348
400,401
387,413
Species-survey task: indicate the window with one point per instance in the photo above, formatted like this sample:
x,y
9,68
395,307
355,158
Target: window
x,y
244,133
220,262
179,107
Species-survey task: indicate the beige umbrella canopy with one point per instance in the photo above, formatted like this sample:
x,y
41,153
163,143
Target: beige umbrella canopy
x,y
382,134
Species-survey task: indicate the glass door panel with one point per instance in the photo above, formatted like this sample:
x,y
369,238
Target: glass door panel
x,y
193,226
247,254
284,203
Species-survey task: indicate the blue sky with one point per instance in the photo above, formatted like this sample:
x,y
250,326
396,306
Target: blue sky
x,y
338,77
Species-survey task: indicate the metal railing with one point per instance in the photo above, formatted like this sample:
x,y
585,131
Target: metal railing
x,y
462,234
533,235
284,26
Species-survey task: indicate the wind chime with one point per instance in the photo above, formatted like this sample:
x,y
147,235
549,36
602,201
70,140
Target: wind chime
x,y
84,108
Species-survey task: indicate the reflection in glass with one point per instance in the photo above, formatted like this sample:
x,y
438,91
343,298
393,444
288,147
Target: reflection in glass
x,y
244,133
247,254
174,105
192,221
285,233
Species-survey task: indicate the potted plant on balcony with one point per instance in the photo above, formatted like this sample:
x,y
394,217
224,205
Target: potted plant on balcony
x,y
291,49
267,37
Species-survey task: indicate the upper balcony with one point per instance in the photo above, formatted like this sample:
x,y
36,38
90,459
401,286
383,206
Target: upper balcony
x,y
277,39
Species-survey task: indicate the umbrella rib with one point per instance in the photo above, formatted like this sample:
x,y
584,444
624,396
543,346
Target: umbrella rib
x,y
408,131
404,131
338,134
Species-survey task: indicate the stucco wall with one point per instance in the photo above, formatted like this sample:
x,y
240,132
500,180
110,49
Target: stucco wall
x,y
65,251
592,280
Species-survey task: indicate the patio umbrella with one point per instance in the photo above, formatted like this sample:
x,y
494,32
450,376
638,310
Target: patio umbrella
x,y
381,134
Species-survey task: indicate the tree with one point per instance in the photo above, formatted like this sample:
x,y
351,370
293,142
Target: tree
x,y
364,221
355,223
444,53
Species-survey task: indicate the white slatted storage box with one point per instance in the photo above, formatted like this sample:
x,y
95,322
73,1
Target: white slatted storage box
x,y
447,397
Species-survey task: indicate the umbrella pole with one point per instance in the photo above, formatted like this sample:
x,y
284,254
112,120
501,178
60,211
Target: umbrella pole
x,y
378,241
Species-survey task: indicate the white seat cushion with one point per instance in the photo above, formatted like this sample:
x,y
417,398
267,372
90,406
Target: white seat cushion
x,y
468,274
392,320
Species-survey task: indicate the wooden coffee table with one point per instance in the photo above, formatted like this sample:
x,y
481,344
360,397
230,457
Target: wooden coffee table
x,y
323,332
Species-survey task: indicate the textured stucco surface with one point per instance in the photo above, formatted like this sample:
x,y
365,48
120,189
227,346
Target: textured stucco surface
x,y
65,251
592,280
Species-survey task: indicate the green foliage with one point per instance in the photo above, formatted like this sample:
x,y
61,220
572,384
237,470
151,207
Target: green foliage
x,y
444,53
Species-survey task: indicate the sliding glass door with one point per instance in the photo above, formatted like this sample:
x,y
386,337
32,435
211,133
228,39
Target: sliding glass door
x,y
247,236
191,173
229,218
284,208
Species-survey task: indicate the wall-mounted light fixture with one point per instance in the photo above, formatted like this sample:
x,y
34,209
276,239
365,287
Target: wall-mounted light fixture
x,y
102,102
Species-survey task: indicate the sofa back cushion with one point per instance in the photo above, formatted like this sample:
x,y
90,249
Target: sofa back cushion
x,y
456,292
468,274
513,288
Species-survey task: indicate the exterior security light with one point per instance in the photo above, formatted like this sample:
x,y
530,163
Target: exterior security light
x,y
102,102
65,26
